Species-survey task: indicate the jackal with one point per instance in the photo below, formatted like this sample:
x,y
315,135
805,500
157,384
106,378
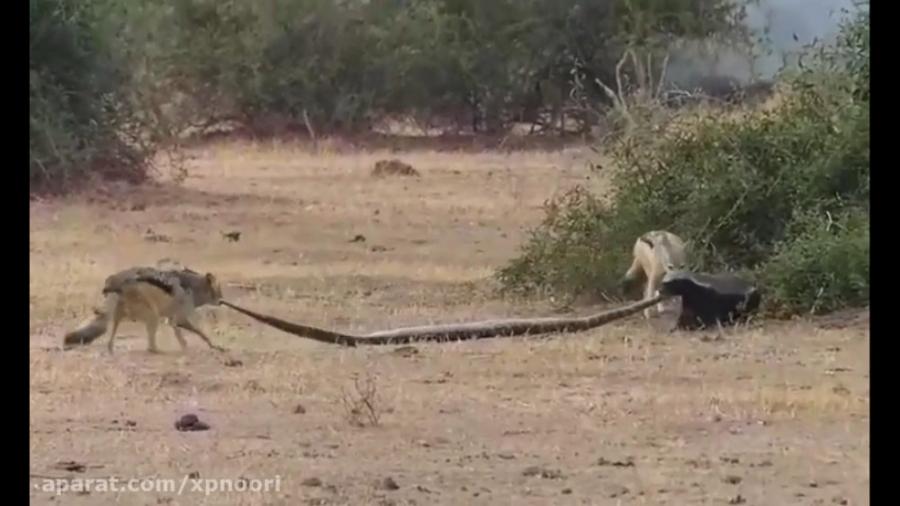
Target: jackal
x,y
148,294
655,253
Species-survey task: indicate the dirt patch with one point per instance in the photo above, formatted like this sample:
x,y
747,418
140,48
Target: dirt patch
x,y
627,412
385,168
849,318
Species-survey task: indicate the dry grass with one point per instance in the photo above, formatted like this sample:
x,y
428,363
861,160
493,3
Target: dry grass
x,y
784,408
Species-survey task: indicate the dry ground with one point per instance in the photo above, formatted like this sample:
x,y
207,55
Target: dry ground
x,y
625,414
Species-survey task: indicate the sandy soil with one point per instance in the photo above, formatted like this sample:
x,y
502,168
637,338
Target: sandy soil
x,y
776,413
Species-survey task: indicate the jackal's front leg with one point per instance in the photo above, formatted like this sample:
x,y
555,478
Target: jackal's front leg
x,y
186,323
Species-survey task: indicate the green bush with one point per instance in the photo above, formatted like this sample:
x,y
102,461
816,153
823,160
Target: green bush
x,y
823,266
734,186
82,118
569,252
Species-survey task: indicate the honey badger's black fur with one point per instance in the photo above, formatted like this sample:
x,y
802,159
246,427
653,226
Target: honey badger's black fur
x,y
708,299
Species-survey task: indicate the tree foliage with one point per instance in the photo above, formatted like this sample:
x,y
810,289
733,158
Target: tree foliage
x,y
113,81
781,194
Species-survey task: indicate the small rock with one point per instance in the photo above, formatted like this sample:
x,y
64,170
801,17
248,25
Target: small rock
x,y
389,484
138,207
151,236
393,168
378,249
730,460
813,484
190,423
311,482
253,386
616,491
732,479
233,362
628,462
70,465
194,475
299,409
839,500
566,491
506,456
738,499
358,238
406,351
550,474
233,236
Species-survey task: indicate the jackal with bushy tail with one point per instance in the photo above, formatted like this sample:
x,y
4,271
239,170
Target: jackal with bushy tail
x,y
655,253
149,295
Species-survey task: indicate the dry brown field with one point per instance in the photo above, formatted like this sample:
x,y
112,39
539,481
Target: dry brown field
x,y
770,414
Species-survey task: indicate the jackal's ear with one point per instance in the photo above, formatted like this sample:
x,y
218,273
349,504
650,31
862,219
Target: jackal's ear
x,y
210,278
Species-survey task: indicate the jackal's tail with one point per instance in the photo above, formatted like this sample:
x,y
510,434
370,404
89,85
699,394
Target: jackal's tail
x,y
92,328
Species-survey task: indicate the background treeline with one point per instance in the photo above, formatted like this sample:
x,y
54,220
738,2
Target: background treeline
x,y
112,81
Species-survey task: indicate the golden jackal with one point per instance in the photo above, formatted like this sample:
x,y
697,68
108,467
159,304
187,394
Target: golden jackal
x,y
148,295
655,253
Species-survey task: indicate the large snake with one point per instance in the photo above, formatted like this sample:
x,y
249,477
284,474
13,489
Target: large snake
x,y
453,331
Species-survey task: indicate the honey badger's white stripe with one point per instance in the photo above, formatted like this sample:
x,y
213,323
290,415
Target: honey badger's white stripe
x,y
656,253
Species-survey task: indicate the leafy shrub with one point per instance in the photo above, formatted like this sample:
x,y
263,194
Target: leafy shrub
x,y
823,266
734,186
82,118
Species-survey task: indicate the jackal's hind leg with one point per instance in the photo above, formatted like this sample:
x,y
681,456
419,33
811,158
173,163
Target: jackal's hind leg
x,y
112,333
180,337
152,323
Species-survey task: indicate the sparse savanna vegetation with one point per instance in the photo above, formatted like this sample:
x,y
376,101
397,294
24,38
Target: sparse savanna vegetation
x,y
312,207
780,193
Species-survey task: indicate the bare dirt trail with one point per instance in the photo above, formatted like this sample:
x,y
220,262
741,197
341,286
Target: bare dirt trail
x,y
623,414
